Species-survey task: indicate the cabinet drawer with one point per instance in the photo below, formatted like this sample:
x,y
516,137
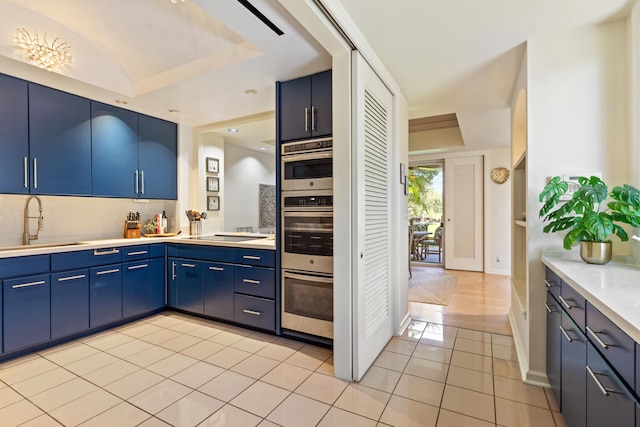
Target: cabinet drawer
x,y
132,253
256,281
553,283
23,265
84,259
206,253
616,346
253,311
255,257
157,251
574,304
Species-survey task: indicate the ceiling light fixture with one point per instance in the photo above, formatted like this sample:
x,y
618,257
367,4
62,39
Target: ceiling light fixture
x,y
41,53
121,102
233,130
172,111
263,148
176,1
251,92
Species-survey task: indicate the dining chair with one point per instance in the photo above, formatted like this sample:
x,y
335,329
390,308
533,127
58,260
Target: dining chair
x,y
434,246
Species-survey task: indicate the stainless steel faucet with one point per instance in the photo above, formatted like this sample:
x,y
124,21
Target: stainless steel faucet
x,y
27,237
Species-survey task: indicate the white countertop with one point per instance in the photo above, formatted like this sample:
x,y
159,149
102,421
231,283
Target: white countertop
x,y
260,242
614,288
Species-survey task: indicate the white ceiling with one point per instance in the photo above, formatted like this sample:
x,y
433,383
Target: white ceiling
x,y
199,56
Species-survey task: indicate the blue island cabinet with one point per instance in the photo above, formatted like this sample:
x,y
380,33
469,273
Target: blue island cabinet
x,y
218,290
157,290
59,142
69,302
135,288
190,286
26,314
105,295
14,134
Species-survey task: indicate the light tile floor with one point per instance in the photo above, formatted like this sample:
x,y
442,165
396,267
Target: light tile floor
x,y
172,369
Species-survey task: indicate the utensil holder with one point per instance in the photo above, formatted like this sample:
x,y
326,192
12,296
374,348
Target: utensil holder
x,y
195,228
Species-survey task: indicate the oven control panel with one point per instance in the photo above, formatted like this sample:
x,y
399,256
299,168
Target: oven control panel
x,y
301,147
308,201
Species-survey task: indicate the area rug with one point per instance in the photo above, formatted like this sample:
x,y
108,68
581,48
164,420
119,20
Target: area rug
x,y
431,286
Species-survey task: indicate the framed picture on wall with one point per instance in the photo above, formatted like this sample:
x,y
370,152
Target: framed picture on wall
x,y
213,183
213,165
213,203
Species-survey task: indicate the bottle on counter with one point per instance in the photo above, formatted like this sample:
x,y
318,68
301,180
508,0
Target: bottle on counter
x,y
159,224
165,222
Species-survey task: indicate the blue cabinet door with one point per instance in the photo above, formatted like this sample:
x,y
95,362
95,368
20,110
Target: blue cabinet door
x,y
135,288
609,403
26,312
1,329
554,319
114,151
294,109
59,142
172,282
190,285
157,158
218,290
321,119
14,135
156,283
574,360
69,302
105,295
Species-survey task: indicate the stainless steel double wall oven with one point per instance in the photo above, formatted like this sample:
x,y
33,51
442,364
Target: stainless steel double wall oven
x,y
307,237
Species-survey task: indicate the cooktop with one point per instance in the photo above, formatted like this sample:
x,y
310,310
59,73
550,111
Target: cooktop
x,y
216,238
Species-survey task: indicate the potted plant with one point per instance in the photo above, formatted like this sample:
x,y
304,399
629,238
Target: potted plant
x,y
592,215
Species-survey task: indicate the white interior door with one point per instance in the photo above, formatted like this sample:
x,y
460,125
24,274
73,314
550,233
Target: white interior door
x,y
372,297
463,224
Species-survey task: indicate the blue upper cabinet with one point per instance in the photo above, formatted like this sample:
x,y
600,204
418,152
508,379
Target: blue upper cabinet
x,y
157,158
59,142
14,135
114,143
304,107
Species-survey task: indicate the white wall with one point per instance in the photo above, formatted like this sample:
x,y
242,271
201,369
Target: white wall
x,y
207,145
577,122
497,215
244,170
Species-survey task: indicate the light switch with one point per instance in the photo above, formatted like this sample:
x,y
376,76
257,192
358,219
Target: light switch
x,y
497,212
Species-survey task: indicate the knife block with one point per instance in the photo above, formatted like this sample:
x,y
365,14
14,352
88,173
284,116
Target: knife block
x,y
131,233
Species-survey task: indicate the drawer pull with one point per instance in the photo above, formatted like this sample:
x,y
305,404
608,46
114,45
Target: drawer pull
x,y
548,308
594,374
255,282
598,339
255,313
26,285
566,335
251,257
136,253
216,268
96,252
115,270
189,265
173,271
136,267
64,279
549,285
564,302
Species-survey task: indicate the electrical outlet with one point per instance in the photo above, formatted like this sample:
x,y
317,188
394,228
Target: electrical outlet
x,y
498,258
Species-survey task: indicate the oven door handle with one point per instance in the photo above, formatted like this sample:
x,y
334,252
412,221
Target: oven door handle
x,y
298,214
310,278
288,158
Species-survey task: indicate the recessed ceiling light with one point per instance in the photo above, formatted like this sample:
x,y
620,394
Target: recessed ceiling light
x,y
172,111
121,102
233,130
263,148
251,92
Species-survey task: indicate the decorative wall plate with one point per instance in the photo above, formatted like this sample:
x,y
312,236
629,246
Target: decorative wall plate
x,y
500,175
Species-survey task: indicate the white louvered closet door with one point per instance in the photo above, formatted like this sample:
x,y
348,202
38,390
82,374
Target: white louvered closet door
x,y
372,317
463,224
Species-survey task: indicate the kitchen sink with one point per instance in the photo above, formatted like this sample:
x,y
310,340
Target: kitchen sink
x,y
44,245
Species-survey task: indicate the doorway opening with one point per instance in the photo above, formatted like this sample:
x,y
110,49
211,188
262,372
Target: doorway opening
x,y
425,190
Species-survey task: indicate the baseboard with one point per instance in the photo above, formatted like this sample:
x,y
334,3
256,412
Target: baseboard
x,y
498,272
528,376
404,324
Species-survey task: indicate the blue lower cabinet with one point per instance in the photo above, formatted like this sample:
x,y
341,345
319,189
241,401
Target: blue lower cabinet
x,y
218,290
256,281
554,359
190,286
105,295
256,312
172,282
574,360
69,302
27,314
135,288
609,402
1,329
156,284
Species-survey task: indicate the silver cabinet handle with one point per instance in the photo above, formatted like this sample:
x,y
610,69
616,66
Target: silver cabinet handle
x,y
306,119
136,253
255,282
26,285
565,303
255,313
313,118
115,270
216,268
35,173
136,267
173,271
189,265
142,179
593,374
597,338
548,308
251,257
25,167
96,252
549,285
64,279
566,335
136,173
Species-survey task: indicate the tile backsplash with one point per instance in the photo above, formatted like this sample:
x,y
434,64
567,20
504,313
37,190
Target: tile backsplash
x,y
69,219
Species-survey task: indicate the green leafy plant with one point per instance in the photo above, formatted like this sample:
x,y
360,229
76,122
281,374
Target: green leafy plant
x,y
593,213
